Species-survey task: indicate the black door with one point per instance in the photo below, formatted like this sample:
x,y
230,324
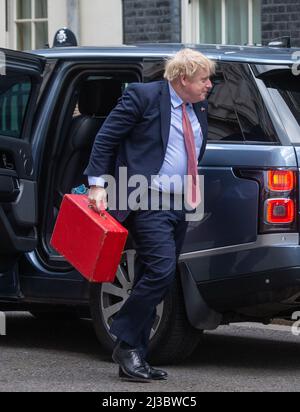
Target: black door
x,y
20,81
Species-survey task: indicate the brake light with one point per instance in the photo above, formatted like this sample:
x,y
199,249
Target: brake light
x,y
280,211
278,199
281,180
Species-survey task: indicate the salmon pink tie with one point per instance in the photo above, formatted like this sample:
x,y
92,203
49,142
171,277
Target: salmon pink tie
x,y
193,179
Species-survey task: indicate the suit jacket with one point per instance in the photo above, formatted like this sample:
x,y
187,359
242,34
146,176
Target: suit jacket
x,y
136,133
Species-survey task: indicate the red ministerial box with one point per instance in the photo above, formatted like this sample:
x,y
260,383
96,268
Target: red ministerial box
x,y
91,242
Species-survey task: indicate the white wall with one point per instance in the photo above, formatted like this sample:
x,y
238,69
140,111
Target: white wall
x,y
57,17
2,24
101,22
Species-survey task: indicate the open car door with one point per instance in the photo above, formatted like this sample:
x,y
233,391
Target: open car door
x,y
20,81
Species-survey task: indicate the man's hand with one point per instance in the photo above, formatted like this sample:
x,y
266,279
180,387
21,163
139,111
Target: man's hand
x,y
98,198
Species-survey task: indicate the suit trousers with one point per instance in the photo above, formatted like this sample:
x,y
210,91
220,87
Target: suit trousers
x,y
158,237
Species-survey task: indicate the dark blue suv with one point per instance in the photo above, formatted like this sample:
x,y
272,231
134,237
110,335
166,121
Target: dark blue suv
x,y
240,263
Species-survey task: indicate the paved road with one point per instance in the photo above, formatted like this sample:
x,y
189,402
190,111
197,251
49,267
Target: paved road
x,y
36,356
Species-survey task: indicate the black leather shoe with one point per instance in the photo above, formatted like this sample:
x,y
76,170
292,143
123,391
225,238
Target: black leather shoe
x,y
155,374
132,366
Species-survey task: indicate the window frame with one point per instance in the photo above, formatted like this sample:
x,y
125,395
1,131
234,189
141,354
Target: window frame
x,y
191,21
33,21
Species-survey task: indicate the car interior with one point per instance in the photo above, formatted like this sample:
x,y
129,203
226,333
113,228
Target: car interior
x,y
92,100
96,99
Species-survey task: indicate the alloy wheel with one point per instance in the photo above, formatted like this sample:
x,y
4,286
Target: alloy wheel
x,y
114,295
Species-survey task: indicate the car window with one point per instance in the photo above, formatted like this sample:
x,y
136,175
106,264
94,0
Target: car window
x,y
14,99
124,81
223,124
252,114
236,109
289,88
153,70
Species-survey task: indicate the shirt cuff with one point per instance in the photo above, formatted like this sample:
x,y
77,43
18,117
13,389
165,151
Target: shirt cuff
x,y
96,181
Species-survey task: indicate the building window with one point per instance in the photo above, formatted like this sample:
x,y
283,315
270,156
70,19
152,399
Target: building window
x,y
31,22
237,21
230,21
211,11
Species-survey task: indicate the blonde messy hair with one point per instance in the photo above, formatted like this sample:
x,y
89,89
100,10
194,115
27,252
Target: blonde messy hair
x,y
187,62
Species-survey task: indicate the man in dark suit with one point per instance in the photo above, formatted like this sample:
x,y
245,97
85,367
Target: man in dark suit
x,y
157,129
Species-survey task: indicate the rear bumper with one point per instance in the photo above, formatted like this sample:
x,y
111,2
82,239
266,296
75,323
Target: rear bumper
x,y
269,252
260,295
259,280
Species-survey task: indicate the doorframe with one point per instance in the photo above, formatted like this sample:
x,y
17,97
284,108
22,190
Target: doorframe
x,y
71,77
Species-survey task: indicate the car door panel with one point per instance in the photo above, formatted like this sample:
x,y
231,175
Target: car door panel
x,y
19,89
9,189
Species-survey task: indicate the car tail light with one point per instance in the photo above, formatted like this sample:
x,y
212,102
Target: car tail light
x,y
278,200
281,180
280,211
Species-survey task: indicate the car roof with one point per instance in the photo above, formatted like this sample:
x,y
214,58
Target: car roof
x,y
250,54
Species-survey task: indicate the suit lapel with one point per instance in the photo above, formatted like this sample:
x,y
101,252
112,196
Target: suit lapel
x,y
201,113
165,112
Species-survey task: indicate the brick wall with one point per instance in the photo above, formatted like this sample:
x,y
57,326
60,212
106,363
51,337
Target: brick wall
x,y
281,18
152,21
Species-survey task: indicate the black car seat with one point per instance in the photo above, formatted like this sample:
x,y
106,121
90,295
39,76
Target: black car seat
x,y
96,100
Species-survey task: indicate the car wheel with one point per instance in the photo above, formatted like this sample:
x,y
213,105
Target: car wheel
x,y
172,337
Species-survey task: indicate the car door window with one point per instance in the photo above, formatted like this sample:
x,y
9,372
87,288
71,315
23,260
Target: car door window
x,y
14,99
252,114
289,88
236,110
223,124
